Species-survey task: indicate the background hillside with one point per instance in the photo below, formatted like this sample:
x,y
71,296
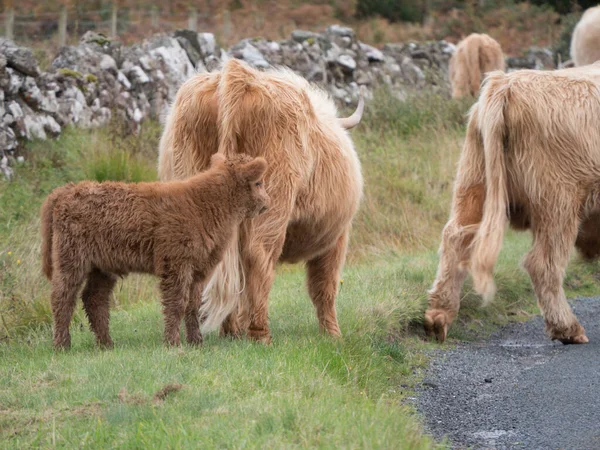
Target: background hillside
x,y
515,24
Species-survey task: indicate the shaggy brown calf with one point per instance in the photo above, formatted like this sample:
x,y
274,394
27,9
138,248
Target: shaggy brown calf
x,y
314,178
531,157
177,231
475,56
585,42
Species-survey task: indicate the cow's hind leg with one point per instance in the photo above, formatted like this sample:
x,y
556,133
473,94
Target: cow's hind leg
x,y
444,296
588,238
96,303
546,263
323,277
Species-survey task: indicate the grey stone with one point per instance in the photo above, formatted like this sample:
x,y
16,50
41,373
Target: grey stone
x,y
19,58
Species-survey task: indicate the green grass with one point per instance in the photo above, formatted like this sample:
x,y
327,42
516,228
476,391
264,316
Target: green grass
x,y
305,390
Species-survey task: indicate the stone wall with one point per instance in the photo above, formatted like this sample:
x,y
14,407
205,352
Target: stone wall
x,y
89,83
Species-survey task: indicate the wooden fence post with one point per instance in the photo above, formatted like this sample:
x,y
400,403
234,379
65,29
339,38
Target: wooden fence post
x,y
113,21
193,20
154,17
226,25
9,23
62,26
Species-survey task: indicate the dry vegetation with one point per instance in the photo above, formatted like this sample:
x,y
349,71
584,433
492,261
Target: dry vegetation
x,y
514,25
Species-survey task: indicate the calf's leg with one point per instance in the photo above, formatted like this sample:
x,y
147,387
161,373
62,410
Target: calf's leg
x,y
176,290
96,303
62,300
192,319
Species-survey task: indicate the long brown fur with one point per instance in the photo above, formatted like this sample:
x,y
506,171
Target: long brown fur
x,y
533,151
314,179
585,41
475,56
177,231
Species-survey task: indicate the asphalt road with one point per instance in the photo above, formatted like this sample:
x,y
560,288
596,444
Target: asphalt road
x,y
518,389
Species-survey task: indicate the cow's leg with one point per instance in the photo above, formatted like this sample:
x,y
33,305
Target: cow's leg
x,y
546,263
467,210
259,280
323,276
588,238
176,289
192,322
455,252
96,303
231,325
259,267
63,299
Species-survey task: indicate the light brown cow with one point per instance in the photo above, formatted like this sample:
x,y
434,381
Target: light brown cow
x,y
475,56
532,150
585,42
177,231
314,180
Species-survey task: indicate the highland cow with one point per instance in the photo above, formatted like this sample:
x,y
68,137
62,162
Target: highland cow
x,y
475,56
314,178
177,231
585,41
532,158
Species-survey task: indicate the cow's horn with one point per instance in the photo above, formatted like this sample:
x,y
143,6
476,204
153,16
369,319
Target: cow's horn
x,y
354,119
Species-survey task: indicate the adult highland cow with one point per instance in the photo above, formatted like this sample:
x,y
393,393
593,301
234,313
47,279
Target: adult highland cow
x,y
585,42
531,157
475,56
314,180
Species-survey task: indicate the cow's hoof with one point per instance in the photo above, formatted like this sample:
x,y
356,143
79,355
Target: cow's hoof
x,y
436,323
105,344
575,334
231,333
582,339
262,336
333,332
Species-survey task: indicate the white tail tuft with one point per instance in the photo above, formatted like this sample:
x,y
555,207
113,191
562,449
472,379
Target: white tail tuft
x,y
222,292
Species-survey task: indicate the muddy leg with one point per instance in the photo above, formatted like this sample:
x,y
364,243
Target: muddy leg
x,y
96,303
546,263
323,276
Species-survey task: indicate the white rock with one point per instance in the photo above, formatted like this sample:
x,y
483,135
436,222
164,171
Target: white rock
x,y
347,61
123,80
108,63
251,55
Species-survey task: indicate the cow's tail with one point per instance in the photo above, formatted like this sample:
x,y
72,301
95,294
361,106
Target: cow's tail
x,y
474,67
488,240
222,292
47,215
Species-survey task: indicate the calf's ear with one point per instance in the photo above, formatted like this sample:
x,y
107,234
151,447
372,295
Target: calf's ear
x,y
216,159
255,169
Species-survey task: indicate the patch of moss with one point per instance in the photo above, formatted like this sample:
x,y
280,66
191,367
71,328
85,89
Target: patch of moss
x,y
91,78
100,40
70,73
310,41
